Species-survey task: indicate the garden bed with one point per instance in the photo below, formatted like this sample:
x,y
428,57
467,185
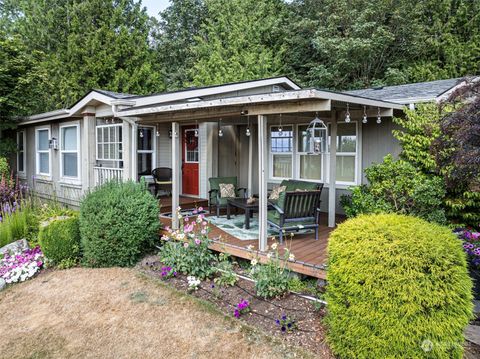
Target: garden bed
x,y
264,314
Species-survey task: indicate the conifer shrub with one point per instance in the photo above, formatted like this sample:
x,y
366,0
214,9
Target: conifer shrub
x,y
59,239
398,287
118,223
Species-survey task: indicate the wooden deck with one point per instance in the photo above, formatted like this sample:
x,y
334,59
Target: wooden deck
x,y
310,255
185,202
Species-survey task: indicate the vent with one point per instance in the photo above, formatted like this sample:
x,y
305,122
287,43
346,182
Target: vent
x,y
276,88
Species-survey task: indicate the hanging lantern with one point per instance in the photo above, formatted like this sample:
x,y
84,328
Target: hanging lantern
x,y
365,118
347,114
317,136
379,117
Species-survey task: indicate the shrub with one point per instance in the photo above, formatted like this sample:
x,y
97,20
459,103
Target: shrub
x,y
272,278
15,226
59,239
397,187
118,222
186,249
398,287
4,168
226,275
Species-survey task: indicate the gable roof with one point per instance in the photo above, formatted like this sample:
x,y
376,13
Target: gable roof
x,y
117,95
410,93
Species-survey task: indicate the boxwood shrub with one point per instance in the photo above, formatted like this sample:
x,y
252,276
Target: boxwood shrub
x,y
398,287
118,222
59,239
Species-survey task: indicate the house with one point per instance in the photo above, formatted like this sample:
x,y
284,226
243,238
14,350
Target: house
x,y
255,130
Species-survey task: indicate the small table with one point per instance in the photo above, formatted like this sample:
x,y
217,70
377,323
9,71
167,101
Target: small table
x,y
249,208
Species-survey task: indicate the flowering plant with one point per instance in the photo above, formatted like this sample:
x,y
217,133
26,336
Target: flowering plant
x,y
272,278
11,193
471,246
286,324
19,267
193,283
168,272
186,249
241,308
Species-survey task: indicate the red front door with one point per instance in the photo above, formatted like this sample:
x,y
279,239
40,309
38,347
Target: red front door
x,y
189,160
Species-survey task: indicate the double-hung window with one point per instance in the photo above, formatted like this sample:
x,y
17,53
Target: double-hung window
x,y
42,139
309,166
281,152
109,144
21,158
145,150
70,152
346,142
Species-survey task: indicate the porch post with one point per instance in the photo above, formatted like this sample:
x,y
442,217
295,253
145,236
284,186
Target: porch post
x,y
262,182
133,153
250,164
175,173
333,170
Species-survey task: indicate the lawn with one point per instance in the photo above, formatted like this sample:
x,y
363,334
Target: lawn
x,y
118,313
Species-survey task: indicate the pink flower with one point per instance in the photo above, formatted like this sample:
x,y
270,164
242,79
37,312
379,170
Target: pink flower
x,y
200,209
186,219
203,232
197,241
204,223
185,245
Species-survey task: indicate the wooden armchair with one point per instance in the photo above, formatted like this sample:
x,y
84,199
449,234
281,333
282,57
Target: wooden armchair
x,y
294,211
214,198
162,177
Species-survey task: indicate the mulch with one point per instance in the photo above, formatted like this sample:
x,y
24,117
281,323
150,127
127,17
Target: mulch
x,y
309,334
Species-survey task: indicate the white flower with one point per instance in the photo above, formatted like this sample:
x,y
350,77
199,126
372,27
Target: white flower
x,y
254,262
269,255
291,257
274,246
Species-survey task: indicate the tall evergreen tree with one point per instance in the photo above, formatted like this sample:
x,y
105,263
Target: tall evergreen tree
x,y
239,40
175,38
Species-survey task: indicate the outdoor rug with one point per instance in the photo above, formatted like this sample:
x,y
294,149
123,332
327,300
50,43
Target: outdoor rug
x,y
235,226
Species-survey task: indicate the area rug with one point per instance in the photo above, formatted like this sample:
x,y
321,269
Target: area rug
x,y
235,226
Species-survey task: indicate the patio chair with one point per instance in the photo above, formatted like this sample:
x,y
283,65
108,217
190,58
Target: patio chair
x,y
162,177
295,210
214,198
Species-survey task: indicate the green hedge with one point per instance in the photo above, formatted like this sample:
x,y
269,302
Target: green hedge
x,y
398,287
118,222
59,239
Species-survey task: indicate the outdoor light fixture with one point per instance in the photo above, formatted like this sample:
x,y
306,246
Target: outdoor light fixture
x,y
220,131
347,115
53,144
317,136
196,128
141,133
364,120
280,128
157,133
244,112
247,132
379,118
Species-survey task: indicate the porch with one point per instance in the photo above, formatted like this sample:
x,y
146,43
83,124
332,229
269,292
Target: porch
x,y
310,254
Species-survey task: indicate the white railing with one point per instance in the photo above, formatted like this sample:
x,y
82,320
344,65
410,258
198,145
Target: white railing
x,y
105,174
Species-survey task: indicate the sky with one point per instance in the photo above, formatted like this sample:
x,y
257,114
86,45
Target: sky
x,y
155,6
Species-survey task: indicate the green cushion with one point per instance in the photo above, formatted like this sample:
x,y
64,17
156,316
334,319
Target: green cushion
x,y
221,201
215,181
292,186
273,216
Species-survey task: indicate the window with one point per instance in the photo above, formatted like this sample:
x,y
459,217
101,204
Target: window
x,y
191,147
109,143
281,151
69,151
21,158
145,150
346,152
42,138
309,165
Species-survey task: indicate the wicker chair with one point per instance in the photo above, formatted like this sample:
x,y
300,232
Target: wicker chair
x,y
162,177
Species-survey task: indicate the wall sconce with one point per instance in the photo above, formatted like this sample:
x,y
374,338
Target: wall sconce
x,y
53,144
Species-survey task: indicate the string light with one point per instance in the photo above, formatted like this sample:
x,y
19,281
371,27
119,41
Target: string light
x,y
157,133
365,119
141,133
196,128
220,131
280,128
379,118
247,132
347,115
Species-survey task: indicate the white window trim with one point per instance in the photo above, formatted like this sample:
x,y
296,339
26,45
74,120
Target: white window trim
x,y
118,160
297,158
153,151
22,174
271,154
357,155
63,178
41,175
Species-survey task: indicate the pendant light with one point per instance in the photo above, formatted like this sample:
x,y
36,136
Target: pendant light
x,y
247,132
347,115
141,133
317,136
220,131
196,128
157,133
364,119
379,118
280,128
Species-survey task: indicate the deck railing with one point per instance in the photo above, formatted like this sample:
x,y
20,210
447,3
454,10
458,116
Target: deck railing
x,y
105,174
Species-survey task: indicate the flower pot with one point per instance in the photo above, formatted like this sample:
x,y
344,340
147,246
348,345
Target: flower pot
x,y
475,274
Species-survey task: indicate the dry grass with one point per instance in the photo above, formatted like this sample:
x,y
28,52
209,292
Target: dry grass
x,y
115,313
